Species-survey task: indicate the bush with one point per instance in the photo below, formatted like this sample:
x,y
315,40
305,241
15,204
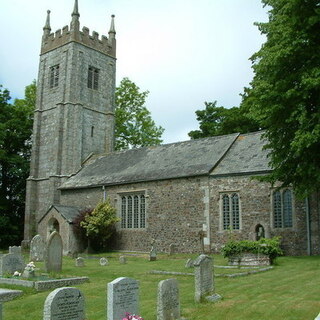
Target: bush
x,y
269,247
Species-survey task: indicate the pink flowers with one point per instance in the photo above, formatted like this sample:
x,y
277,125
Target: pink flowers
x,y
132,317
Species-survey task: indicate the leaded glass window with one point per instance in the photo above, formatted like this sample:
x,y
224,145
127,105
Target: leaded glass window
x,y
133,211
93,78
54,76
230,211
282,209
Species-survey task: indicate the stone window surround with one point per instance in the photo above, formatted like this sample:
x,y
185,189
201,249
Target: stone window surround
x,y
93,78
54,73
132,193
229,193
282,190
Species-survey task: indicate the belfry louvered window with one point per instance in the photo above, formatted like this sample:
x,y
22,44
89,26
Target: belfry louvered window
x,y
93,78
133,211
282,209
54,76
230,207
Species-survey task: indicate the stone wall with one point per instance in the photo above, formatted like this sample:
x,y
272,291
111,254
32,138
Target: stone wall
x,y
177,211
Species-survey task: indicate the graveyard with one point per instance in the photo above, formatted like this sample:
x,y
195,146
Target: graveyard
x,y
287,290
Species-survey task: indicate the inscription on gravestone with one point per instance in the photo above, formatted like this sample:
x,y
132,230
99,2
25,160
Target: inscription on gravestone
x,y
64,303
168,307
37,248
123,296
9,263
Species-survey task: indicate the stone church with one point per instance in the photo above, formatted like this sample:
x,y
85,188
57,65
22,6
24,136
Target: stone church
x,y
187,194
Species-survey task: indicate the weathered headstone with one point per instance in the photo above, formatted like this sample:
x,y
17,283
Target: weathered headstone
x,y
64,303
189,263
172,248
104,262
7,295
123,296
10,262
37,248
122,259
204,283
168,307
53,260
80,262
15,250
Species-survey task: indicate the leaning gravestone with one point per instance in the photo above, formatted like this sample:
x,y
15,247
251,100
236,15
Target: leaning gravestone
x,y
10,262
168,307
37,248
15,250
204,284
122,259
53,260
64,304
104,262
80,262
123,296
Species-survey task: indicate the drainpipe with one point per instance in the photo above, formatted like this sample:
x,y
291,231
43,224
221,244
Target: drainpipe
x,y
104,193
308,226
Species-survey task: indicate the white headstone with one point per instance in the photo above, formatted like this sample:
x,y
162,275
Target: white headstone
x,y
168,307
53,261
123,296
104,262
64,304
203,274
37,248
122,259
9,263
15,250
80,262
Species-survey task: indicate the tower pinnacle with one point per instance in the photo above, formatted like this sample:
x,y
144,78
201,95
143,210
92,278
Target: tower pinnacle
x,y
75,24
47,28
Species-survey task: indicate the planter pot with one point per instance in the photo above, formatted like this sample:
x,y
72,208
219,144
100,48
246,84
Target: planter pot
x,y
249,259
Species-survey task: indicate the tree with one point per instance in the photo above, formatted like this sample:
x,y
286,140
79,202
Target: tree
x,y
284,95
134,125
216,121
15,133
99,224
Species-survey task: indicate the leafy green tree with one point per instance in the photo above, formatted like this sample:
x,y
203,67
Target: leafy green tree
x,y
134,125
284,95
99,224
15,133
214,121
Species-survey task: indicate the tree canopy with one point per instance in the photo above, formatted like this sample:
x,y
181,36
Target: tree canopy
x,y
284,95
215,121
134,125
15,132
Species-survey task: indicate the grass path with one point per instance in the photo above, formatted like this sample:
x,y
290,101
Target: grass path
x,y
291,291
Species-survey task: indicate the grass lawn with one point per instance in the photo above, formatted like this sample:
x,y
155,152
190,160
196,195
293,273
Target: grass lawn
x,y
290,291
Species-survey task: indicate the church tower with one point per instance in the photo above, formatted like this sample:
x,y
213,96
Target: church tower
x,y
74,114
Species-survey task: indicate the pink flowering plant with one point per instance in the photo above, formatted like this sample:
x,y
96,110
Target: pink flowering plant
x,y
132,317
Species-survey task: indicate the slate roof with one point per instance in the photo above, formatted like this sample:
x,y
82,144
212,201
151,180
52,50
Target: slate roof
x,y
175,160
246,155
233,153
67,212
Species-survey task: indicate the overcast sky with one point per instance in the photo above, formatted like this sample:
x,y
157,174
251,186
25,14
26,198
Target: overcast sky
x,y
185,52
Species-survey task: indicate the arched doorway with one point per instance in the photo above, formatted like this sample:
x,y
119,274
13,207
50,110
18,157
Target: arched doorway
x,y
53,225
259,232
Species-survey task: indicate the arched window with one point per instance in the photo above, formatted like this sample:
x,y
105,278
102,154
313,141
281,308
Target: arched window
x,y
230,211
282,209
53,225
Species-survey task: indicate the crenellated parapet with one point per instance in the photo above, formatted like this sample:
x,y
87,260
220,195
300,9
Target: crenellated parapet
x,y
59,38
64,36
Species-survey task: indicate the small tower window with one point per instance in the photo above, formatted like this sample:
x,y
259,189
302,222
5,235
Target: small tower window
x,y
54,76
92,131
93,78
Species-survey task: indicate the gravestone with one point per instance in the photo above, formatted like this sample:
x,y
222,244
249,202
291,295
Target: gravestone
x,y
189,263
204,283
15,250
168,307
65,303
37,248
122,259
123,296
7,295
80,262
53,260
317,317
172,249
10,262
104,262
